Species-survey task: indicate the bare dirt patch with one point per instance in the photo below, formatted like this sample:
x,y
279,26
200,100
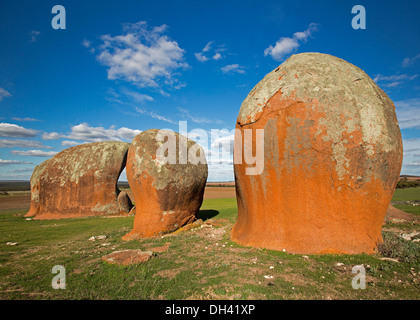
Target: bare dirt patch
x,y
18,200
394,214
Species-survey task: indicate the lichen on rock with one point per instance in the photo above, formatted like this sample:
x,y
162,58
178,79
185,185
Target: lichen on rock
x,y
79,181
333,154
167,187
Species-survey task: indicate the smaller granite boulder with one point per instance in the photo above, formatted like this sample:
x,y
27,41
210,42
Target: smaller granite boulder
x,y
124,202
80,181
167,173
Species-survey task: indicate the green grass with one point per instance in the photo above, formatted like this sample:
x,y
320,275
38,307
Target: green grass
x,y
407,200
409,194
200,264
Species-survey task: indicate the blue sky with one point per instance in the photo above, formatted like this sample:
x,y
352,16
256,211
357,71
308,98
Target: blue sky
x,y
121,67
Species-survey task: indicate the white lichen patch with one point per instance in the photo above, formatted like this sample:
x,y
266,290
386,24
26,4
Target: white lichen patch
x,y
73,163
162,161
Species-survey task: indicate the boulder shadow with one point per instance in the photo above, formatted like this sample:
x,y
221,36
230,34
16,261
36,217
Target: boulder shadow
x,y
207,214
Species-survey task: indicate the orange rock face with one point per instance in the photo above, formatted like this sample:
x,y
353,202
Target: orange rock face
x,y
168,194
332,158
79,181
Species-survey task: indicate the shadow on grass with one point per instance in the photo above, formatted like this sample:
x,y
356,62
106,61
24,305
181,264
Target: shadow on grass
x,y
207,214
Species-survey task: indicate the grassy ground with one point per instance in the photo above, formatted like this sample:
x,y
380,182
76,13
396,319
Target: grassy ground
x,y
407,200
200,264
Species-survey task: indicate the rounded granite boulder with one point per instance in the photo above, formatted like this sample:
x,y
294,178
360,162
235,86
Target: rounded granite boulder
x,y
167,174
79,181
332,158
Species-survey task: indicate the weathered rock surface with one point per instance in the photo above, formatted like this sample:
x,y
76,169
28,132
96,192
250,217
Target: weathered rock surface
x,y
79,181
124,202
36,174
128,257
332,158
168,194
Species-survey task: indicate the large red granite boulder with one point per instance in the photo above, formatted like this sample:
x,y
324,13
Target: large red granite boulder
x,y
332,158
168,193
80,181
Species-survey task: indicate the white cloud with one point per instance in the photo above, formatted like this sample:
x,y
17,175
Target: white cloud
x,y
51,136
154,115
225,142
25,119
4,94
34,153
410,161
136,96
141,56
233,68
88,45
14,131
410,61
21,170
201,57
413,164
69,143
8,162
393,80
286,45
208,46
197,119
215,54
11,143
408,113
86,133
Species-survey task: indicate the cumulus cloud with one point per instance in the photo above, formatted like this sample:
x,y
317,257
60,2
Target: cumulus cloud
x,y
85,132
143,56
4,94
51,136
69,143
233,68
34,153
287,45
14,131
225,142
